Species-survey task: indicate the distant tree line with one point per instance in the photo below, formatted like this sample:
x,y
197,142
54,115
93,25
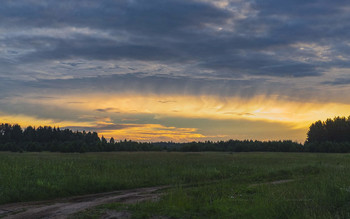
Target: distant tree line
x,y
14,138
332,135
233,146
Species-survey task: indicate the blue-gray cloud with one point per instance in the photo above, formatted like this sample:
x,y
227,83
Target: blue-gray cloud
x,y
338,82
140,15
229,43
140,83
244,49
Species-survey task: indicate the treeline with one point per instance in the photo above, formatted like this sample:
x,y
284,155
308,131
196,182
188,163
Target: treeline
x,y
261,146
14,138
331,130
332,135
233,146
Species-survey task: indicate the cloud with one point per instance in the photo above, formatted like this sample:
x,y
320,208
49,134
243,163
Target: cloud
x,y
110,109
105,127
338,82
110,14
166,85
225,50
231,39
162,84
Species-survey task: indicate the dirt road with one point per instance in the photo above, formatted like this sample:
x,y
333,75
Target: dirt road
x,y
62,208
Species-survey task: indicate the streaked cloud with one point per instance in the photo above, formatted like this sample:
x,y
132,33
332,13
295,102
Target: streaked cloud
x,y
135,64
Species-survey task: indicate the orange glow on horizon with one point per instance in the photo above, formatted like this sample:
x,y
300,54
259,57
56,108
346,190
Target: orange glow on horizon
x,y
300,114
25,121
155,132
98,108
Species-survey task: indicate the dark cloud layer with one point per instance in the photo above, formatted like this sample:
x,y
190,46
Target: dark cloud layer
x,y
244,38
178,47
136,84
140,16
338,82
151,85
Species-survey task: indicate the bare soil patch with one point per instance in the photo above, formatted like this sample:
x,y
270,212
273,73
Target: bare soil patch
x,y
63,208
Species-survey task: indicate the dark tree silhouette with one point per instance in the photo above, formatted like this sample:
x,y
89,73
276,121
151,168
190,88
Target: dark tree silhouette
x,y
332,135
333,130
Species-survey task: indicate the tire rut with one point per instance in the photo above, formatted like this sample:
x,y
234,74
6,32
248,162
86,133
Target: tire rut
x,y
63,208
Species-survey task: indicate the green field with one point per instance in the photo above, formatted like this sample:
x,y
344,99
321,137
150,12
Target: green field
x,y
203,185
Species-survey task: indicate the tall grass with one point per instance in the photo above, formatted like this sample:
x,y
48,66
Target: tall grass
x,y
320,189
205,185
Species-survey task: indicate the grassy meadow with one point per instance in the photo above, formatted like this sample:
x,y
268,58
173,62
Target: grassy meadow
x,y
203,185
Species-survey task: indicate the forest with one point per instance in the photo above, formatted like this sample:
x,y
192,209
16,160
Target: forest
x,y
332,136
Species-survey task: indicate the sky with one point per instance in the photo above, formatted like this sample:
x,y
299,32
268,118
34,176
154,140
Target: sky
x,y
175,70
